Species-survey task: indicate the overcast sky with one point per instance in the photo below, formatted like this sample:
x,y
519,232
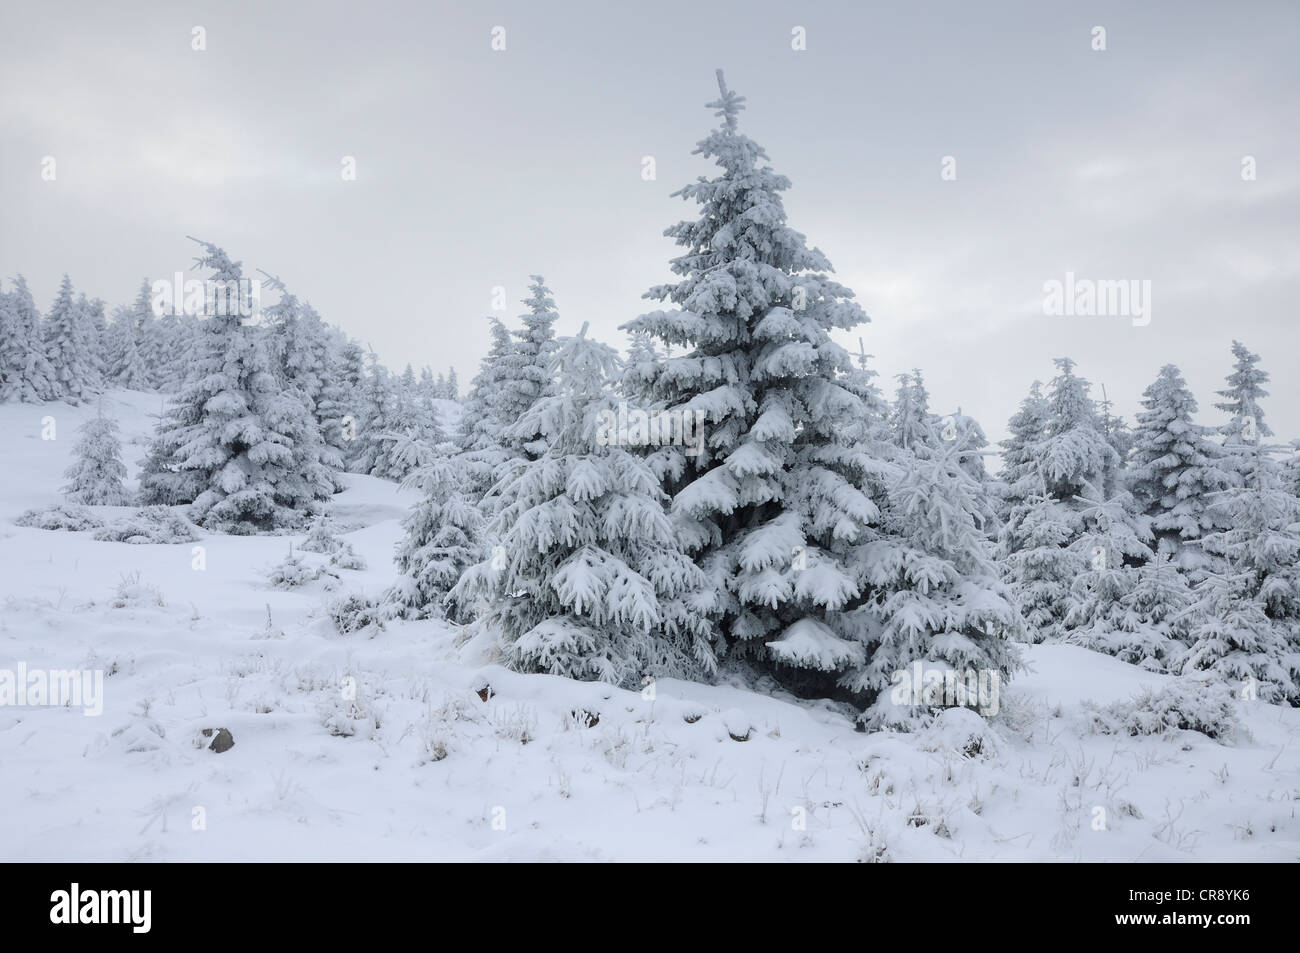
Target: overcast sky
x,y
476,168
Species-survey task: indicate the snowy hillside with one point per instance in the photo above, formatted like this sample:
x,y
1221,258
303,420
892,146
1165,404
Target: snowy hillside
x,y
444,755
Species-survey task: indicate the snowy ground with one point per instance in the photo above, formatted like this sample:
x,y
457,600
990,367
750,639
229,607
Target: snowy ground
x,y
426,770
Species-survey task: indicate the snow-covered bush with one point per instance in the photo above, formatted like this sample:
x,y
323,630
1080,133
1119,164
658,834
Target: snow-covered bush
x,y
290,573
960,732
353,613
132,592
344,717
345,557
1182,705
60,516
321,537
150,524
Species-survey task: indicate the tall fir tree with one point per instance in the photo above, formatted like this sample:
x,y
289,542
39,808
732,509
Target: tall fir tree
x,y
123,353
1247,614
1176,469
1241,402
589,581
779,506
28,376
236,444
69,347
526,373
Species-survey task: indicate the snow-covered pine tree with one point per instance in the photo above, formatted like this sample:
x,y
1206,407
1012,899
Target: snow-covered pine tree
x,y
398,431
376,413
1019,479
776,485
150,338
11,352
1120,437
124,358
1107,611
443,538
872,428
590,581
236,443
1241,397
453,385
1176,468
97,329
913,426
480,437
1246,426
1247,615
301,346
1053,476
527,366
936,597
69,347
28,376
95,477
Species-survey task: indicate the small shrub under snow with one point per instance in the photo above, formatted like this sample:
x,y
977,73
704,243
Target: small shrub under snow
x,y
69,517
150,524
132,592
290,573
1183,705
355,613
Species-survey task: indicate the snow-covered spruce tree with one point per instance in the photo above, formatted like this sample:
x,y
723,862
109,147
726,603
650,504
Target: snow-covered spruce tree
x,y
443,538
1246,427
935,593
11,352
69,347
779,502
775,483
95,477
447,530
593,583
429,387
480,436
150,339
1053,477
1242,395
525,374
301,346
376,414
1247,615
1019,479
871,428
27,374
1175,470
453,385
97,322
1120,437
1074,454
913,426
1110,608
236,443
123,357
641,367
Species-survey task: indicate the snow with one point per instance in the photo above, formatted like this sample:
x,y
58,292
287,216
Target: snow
x,y
417,767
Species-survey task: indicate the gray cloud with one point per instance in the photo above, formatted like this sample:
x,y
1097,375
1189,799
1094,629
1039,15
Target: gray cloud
x,y
477,168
